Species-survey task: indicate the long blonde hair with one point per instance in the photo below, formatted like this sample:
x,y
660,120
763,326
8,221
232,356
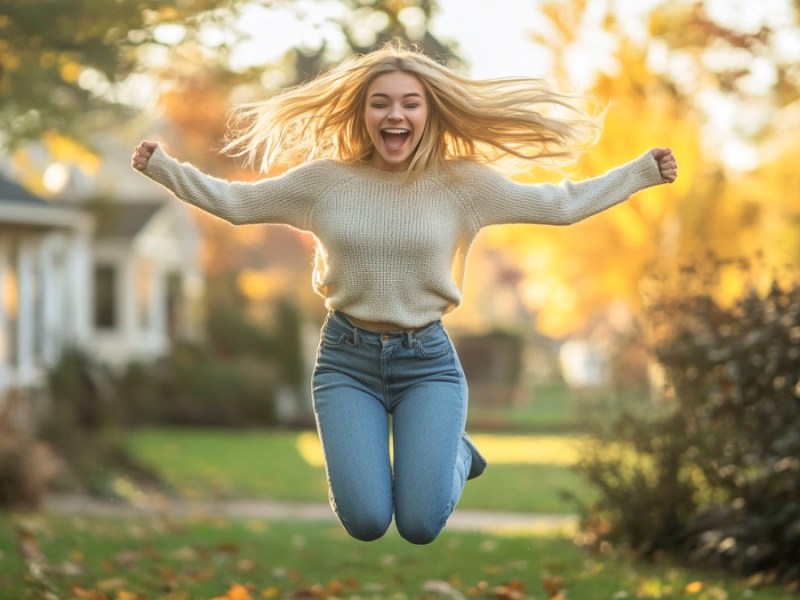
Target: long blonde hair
x,y
480,120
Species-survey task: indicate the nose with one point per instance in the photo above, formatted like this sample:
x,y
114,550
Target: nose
x,y
396,113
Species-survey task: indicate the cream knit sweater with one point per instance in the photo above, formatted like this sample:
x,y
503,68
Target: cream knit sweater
x,y
389,250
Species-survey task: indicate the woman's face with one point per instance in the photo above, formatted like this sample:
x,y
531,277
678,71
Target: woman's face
x,y
395,116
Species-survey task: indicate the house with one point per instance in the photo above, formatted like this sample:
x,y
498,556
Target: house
x,y
45,285
117,276
148,284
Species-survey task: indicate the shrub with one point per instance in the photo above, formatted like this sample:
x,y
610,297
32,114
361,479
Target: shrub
x,y
27,465
82,425
194,387
711,472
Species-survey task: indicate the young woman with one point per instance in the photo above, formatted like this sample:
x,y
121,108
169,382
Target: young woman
x,y
389,149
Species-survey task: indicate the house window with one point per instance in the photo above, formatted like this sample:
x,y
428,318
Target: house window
x,y
105,290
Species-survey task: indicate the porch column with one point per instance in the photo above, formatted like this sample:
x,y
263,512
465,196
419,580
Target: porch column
x,y
27,313
6,339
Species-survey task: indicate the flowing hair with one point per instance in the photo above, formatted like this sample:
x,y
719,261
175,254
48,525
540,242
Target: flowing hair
x,y
480,120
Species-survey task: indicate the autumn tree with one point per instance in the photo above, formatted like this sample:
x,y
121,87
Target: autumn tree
x,y
571,278
61,63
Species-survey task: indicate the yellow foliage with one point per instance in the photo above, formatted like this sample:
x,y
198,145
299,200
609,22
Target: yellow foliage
x,y
70,71
63,148
572,274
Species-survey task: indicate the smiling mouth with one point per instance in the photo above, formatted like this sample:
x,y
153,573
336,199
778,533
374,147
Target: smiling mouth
x,y
394,138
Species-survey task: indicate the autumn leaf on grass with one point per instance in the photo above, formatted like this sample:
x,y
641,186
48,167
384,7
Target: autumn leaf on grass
x,y
693,588
81,593
235,592
336,588
271,592
513,590
123,595
554,586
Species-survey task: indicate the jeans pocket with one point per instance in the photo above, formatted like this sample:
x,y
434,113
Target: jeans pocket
x,y
332,339
433,347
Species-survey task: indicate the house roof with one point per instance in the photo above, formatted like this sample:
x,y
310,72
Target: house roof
x,y
21,208
11,192
120,219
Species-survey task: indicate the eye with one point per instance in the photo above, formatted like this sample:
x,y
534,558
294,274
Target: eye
x,y
378,105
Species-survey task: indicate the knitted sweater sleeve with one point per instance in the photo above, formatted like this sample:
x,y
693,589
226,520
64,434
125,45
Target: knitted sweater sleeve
x,y
285,199
495,199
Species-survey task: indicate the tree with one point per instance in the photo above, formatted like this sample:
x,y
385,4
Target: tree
x,y
61,62
571,278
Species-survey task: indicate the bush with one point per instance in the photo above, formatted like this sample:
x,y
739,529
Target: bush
x,y
228,381
194,387
27,465
82,425
712,472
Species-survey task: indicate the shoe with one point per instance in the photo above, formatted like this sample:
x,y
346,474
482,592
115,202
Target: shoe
x,y
478,462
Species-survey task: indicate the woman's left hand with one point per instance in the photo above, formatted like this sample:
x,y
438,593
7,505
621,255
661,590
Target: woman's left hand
x,y
667,164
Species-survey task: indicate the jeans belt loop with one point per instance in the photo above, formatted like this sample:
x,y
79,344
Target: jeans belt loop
x,y
408,338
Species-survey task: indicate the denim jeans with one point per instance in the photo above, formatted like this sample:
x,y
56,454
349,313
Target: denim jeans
x,y
366,383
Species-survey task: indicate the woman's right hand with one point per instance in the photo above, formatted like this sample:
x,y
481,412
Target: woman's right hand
x,y
142,154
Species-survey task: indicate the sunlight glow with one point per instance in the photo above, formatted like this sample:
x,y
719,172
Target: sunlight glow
x,y
498,449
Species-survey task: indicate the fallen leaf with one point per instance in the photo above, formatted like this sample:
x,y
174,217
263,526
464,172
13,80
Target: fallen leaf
x,y
513,590
236,592
272,591
553,585
86,594
693,588
245,565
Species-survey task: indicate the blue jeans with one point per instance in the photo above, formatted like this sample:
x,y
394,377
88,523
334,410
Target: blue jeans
x,y
366,381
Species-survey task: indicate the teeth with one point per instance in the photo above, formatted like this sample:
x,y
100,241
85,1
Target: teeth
x,y
395,131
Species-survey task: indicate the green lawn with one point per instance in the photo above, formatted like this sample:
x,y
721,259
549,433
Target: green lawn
x,y
552,408
270,464
164,559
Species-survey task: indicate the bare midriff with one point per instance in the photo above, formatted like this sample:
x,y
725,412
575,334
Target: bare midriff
x,y
378,326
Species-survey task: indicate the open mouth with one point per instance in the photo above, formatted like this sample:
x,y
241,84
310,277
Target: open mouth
x,y
394,138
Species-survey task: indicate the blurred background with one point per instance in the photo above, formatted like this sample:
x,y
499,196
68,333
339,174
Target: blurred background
x,y
97,258
121,307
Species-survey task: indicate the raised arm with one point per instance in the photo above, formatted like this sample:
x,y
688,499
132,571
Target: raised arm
x,y
498,200
284,199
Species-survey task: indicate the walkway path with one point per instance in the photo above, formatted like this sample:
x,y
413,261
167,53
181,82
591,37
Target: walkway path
x,y
463,519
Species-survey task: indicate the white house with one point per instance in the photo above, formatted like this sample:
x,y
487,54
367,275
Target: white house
x,y
111,267
148,284
45,284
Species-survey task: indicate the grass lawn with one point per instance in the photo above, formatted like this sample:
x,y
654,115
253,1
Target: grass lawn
x,y
526,473
553,408
161,559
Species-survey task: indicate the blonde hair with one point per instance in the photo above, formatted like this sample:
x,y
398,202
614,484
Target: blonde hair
x,y
480,120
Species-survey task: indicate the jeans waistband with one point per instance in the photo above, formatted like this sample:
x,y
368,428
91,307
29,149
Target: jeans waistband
x,y
406,335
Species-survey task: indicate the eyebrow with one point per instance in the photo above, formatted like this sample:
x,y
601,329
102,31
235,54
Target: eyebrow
x,y
404,95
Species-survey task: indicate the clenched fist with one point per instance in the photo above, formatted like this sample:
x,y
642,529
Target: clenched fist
x,y
142,154
667,164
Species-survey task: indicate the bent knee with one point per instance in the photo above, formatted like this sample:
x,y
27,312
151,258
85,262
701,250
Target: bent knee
x,y
366,528
418,531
